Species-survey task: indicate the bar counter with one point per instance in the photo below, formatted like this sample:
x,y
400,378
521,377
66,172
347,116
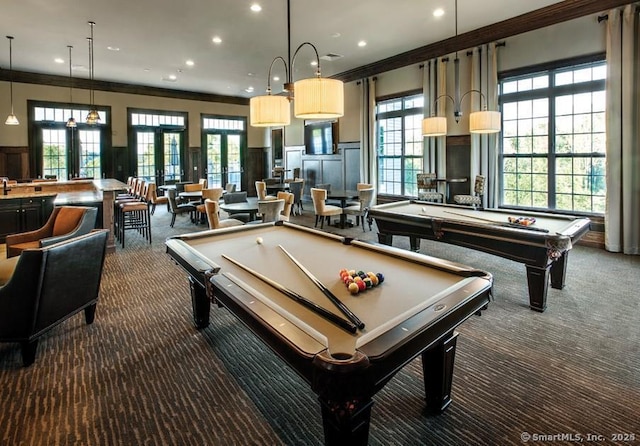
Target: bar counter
x,y
100,193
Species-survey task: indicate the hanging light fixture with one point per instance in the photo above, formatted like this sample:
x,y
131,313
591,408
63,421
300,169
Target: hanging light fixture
x,y
483,121
315,98
93,117
71,122
11,119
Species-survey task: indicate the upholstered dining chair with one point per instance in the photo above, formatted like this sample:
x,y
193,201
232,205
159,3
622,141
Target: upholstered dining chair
x,y
176,208
296,187
65,222
323,210
366,198
212,208
427,185
473,200
270,210
230,187
288,204
213,194
261,190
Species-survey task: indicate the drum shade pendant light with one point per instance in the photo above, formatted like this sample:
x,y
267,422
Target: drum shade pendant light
x,y
71,122
11,119
483,121
314,98
93,117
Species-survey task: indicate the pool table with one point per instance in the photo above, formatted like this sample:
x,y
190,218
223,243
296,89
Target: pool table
x,y
413,312
543,247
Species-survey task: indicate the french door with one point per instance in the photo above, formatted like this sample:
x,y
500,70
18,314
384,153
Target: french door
x,y
224,159
70,152
159,154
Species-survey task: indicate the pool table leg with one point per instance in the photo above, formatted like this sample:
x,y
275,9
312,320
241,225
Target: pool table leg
x,y
200,303
538,281
559,271
385,239
346,422
437,370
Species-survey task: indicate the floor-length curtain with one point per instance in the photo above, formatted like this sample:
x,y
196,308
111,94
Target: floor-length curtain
x,y
434,85
622,215
484,148
368,142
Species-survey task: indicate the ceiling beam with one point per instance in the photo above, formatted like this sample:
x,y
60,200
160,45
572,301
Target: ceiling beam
x,y
540,18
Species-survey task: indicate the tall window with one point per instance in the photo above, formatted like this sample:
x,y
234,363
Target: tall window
x,y
400,144
553,139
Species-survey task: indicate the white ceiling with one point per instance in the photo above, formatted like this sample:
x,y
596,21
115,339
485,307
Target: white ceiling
x,y
156,37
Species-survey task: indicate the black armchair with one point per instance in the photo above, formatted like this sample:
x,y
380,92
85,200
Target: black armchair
x,y
48,286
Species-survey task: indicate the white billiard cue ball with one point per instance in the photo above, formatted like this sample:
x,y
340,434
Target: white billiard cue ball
x,y
259,240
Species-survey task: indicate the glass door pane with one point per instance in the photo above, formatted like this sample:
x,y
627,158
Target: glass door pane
x,y
214,160
54,153
89,153
171,156
145,149
234,166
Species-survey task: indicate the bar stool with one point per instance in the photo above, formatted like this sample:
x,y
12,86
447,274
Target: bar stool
x,y
134,215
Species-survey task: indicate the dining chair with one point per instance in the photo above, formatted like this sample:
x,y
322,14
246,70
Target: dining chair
x,y
288,204
261,190
476,199
212,209
230,187
176,208
296,187
323,210
270,210
361,210
213,194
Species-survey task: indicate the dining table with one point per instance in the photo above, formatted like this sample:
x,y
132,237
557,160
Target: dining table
x,y
342,196
244,207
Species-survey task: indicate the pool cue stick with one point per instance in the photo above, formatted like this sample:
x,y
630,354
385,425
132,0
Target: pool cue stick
x,y
332,297
342,323
499,223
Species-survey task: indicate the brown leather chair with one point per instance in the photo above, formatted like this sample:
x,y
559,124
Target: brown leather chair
x,y
64,223
48,286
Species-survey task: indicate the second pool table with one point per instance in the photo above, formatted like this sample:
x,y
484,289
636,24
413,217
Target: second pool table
x,y
413,312
543,247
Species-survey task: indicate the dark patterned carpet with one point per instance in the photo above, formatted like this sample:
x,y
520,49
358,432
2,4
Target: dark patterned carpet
x,y
142,374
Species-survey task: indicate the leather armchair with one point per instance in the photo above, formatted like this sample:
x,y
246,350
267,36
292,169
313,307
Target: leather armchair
x,y
48,286
64,223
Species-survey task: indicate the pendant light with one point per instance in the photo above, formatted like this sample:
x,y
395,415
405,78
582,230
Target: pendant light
x,y
483,121
11,119
93,117
313,98
71,122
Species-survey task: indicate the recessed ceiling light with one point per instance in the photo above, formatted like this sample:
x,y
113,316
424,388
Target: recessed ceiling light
x,y
190,63
314,63
256,7
336,35
173,77
216,39
362,43
249,89
276,78
113,48
58,60
438,12
147,70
